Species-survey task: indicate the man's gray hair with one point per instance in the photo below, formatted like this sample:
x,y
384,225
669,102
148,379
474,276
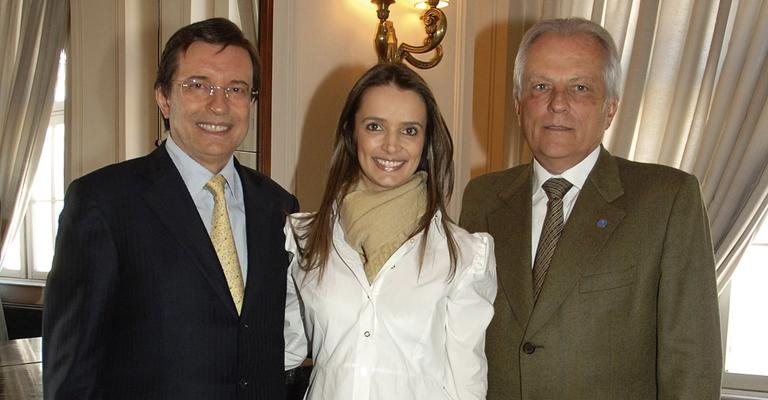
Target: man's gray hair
x,y
611,67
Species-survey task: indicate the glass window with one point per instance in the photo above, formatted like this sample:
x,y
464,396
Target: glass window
x,y
30,253
746,347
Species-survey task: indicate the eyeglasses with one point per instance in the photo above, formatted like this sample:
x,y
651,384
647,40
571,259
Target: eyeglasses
x,y
199,90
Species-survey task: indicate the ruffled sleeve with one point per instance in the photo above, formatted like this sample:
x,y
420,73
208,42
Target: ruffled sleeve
x,y
469,311
296,342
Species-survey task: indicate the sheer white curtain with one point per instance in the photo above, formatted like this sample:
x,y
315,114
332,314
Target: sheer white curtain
x,y
32,35
695,90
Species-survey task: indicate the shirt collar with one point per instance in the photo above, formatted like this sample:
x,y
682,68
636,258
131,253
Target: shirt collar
x,y
195,176
576,175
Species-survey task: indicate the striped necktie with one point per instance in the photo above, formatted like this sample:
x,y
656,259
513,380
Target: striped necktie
x,y
555,188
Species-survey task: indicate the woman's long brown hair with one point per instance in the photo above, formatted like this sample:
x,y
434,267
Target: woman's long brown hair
x,y
436,159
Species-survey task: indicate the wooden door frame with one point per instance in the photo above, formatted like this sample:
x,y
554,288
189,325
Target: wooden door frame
x,y
264,106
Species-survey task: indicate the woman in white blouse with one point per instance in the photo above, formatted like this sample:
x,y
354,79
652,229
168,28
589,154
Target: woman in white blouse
x,y
394,297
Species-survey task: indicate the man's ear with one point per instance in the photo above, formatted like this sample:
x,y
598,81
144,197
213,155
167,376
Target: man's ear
x,y
162,102
610,111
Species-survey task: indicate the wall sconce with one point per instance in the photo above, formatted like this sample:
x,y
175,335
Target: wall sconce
x,y
435,25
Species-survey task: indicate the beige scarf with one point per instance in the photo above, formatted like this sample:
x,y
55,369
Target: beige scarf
x,y
376,224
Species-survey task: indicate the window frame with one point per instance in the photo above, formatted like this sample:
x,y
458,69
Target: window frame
x,y
57,117
737,384
27,274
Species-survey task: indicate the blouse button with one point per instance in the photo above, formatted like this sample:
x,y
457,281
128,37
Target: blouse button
x,y
367,333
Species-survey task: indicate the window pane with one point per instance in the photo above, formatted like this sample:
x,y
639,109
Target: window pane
x,y
60,91
761,236
41,184
32,252
46,198
12,260
58,161
42,235
747,347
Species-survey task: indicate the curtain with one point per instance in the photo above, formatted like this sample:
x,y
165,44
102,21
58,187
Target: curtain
x,y
732,158
695,90
32,35
249,19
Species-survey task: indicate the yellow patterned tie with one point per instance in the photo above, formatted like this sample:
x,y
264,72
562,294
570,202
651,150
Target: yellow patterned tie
x,y
224,242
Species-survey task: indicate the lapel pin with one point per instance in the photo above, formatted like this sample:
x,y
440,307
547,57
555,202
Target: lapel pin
x,y
602,223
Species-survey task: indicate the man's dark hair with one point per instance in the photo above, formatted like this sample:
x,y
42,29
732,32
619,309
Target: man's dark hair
x,y
214,31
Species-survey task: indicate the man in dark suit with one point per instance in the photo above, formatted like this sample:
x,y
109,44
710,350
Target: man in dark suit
x,y
166,284
606,272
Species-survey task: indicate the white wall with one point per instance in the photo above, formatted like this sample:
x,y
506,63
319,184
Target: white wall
x,y
112,58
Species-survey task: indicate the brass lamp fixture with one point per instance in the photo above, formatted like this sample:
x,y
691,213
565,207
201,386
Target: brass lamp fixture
x,y
435,25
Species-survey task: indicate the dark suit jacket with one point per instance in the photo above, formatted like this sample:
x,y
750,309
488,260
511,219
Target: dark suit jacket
x,y
137,305
628,309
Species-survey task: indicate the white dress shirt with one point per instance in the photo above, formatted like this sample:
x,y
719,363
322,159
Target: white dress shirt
x,y
576,175
410,335
195,176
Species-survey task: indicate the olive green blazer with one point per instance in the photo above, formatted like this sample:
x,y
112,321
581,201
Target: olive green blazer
x,y
629,306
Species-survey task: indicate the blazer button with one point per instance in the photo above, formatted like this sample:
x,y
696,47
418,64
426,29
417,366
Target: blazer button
x,y
243,383
529,348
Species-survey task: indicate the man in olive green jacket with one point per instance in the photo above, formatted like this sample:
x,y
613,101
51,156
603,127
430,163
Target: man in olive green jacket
x,y
628,304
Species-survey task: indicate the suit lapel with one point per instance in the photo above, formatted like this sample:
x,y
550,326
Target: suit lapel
x,y
257,224
511,225
170,199
591,223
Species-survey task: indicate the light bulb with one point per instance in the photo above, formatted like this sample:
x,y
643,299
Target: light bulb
x,y
423,4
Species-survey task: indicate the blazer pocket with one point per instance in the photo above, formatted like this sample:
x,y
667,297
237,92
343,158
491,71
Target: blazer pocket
x,y
607,280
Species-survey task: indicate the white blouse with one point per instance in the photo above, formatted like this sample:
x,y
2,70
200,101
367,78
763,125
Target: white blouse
x,y
410,335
